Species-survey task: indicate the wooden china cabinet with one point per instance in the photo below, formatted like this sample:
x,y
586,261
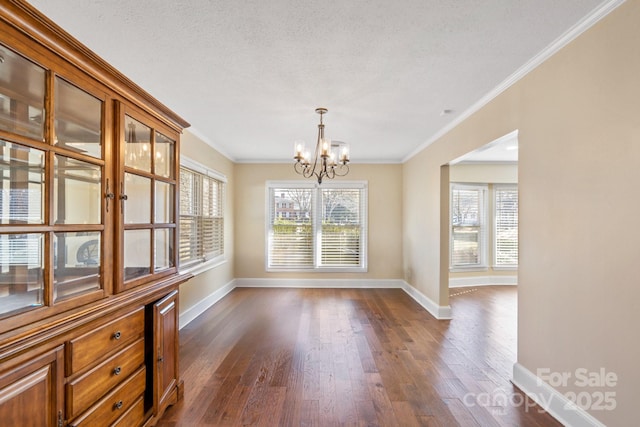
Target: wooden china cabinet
x,y
88,235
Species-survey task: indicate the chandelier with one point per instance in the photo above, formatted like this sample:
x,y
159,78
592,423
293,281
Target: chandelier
x,y
329,159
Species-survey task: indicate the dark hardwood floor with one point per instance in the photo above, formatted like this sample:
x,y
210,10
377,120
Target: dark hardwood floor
x,y
374,357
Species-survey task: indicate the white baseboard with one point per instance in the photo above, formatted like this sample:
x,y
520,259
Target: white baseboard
x,y
197,309
319,283
440,312
551,400
462,282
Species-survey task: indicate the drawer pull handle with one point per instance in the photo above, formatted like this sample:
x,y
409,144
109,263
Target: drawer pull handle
x,y
117,370
117,335
118,404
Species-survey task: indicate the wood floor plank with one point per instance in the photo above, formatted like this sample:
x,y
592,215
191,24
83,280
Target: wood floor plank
x,y
351,357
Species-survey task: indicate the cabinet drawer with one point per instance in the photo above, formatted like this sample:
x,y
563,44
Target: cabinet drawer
x,y
87,389
114,404
106,339
133,417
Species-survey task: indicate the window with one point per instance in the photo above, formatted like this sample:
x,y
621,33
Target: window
x,y
506,226
201,214
317,228
468,226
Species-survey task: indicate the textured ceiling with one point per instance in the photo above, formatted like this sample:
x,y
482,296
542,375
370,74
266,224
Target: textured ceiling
x,y
248,74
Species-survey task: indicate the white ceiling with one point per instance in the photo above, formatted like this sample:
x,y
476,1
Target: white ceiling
x,y
501,150
248,74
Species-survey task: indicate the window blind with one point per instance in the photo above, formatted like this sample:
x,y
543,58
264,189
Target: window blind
x,y
291,220
340,227
506,226
201,217
468,225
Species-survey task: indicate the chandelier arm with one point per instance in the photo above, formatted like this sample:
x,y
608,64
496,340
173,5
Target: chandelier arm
x,y
341,170
330,172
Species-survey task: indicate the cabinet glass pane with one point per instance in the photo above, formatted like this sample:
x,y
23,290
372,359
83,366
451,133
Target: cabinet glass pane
x,y
21,272
137,148
76,192
76,265
21,184
164,203
21,95
164,156
163,249
137,207
137,253
78,119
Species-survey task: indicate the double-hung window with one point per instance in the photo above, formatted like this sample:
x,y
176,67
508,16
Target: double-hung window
x,y
468,226
506,226
201,214
311,227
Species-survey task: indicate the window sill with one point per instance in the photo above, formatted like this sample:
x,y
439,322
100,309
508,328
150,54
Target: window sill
x,y
505,267
319,270
205,266
461,269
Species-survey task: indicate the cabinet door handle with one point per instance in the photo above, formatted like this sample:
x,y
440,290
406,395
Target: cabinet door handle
x,y
117,370
118,404
122,198
117,335
109,196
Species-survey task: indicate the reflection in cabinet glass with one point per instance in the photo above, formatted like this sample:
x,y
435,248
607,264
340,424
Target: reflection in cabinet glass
x,y
164,152
137,148
22,185
21,272
76,263
138,191
163,248
78,124
164,202
76,188
137,259
21,95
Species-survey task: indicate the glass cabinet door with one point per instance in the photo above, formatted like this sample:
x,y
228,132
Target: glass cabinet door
x,y
51,220
77,192
22,185
148,201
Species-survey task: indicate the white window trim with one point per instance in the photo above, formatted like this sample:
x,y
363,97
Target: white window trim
x,y
200,168
207,264
363,268
495,266
483,247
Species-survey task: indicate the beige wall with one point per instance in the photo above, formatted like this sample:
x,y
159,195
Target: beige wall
x,y
579,152
206,283
384,214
